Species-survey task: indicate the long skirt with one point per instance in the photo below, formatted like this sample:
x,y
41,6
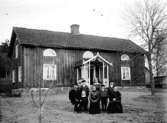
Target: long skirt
x,y
94,108
115,107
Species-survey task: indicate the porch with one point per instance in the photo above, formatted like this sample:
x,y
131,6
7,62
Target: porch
x,y
94,70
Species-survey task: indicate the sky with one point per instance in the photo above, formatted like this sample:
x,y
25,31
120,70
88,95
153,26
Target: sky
x,y
95,17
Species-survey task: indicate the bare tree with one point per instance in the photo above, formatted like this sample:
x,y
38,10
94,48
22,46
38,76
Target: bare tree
x,y
146,19
40,99
159,53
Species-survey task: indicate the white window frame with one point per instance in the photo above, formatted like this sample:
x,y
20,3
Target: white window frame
x,y
13,76
87,55
125,57
125,73
20,74
49,52
49,72
16,51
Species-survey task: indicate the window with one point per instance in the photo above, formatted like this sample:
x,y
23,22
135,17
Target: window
x,y
125,57
49,65
20,74
125,73
49,52
13,76
49,72
16,51
87,55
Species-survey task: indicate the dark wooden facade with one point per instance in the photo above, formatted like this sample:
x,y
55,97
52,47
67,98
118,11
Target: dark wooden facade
x,y
31,60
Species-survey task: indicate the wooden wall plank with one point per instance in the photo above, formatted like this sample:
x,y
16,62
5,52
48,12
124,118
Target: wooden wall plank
x,y
65,61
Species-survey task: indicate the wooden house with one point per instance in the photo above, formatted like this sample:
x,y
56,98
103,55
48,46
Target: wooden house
x,y
59,59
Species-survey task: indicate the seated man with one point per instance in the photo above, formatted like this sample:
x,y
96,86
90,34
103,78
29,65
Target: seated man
x,y
74,97
115,105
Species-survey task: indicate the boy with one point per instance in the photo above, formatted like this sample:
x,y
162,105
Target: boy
x,y
104,96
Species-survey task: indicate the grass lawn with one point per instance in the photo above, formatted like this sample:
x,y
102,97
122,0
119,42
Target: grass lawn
x,y
138,105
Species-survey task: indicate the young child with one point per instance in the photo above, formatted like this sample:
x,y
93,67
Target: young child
x,y
104,97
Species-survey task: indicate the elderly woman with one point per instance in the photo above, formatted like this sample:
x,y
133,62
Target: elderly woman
x,y
94,98
115,105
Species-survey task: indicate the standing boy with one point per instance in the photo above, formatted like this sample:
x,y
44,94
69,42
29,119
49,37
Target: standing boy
x,y
104,97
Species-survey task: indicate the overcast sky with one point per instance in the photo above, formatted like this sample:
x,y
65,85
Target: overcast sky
x,y
96,17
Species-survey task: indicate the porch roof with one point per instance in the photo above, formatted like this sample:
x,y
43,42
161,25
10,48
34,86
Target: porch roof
x,y
96,57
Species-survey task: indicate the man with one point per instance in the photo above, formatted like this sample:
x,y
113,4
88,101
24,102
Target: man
x,y
115,105
74,97
84,91
104,97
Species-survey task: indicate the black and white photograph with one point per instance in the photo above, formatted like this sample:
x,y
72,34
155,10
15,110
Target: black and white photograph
x,y
83,61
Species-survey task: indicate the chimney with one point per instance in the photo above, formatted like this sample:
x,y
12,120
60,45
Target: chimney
x,y
75,29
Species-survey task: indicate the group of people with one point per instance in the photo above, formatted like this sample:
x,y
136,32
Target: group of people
x,y
95,99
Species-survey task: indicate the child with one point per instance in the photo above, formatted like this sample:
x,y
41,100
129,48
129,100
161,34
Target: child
x,y
104,96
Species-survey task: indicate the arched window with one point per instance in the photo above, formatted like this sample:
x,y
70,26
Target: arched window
x,y
49,52
125,57
87,55
49,65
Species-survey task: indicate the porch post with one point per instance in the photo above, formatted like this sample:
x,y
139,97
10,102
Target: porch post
x,y
89,73
77,75
99,74
107,76
103,72
94,74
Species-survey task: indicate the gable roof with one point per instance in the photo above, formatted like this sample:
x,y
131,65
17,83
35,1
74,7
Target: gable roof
x,y
45,38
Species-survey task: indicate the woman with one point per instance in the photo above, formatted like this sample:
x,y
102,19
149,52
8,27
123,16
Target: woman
x,y
115,105
94,98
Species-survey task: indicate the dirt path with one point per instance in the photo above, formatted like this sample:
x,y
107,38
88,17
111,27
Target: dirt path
x,y
139,107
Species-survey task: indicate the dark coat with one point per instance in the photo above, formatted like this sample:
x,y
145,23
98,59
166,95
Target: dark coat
x,y
115,105
104,94
74,96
